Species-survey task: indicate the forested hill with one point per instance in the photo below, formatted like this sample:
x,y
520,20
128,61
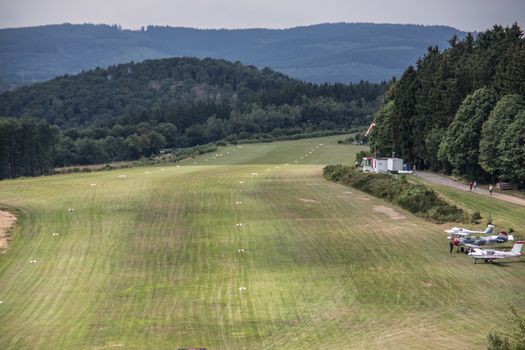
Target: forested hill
x,y
136,109
461,110
184,91
343,52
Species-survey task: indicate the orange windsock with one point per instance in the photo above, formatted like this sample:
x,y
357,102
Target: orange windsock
x,y
372,126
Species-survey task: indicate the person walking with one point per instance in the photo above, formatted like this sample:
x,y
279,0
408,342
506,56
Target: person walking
x,y
475,185
470,184
451,246
491,188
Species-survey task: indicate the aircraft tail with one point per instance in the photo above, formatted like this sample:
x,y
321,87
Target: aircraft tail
x,y
503,236
517,247
489,230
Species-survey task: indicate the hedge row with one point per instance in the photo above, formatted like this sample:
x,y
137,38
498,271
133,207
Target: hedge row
x,y
416,198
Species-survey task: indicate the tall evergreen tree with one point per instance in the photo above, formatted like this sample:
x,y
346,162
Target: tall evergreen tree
x,y
510,75
404,99
381,140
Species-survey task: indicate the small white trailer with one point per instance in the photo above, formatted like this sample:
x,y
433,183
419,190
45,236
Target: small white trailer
x,y
394,164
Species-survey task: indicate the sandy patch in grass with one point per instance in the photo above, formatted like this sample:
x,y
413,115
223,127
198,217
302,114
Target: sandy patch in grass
x,y
345,194
111,346
7,221
364,199
304,200
388,212
312,184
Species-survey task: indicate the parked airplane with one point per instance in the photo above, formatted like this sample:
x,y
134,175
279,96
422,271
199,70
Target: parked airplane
x,y
474,242
460,231
490,254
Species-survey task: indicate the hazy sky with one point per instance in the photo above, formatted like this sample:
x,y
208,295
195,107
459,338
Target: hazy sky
x,y
467,15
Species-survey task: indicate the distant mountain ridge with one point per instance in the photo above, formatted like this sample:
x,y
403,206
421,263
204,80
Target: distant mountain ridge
x,y
340,52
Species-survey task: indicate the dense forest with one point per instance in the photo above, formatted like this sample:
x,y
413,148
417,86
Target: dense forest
x,y
338,52
137,109
27,147
461,110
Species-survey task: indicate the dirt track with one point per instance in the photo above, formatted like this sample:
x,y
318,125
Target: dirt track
x,y
7,220
445,181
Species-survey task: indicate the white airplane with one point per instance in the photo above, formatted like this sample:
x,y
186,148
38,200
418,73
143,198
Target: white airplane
x,y
460,231
490,254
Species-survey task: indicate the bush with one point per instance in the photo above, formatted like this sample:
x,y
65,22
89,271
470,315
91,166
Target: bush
x,y
489,218
335,172
475,217
347,141
416,198
362,154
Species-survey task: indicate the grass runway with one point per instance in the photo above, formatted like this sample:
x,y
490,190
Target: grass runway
x,y
160,259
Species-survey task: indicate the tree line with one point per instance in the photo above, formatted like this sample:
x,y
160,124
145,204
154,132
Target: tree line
x,y
26,147
461,110
135,110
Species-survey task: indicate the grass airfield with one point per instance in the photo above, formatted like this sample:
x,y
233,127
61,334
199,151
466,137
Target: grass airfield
x,y
241,251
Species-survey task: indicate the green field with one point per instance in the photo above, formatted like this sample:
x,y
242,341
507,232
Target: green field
x,y
152,260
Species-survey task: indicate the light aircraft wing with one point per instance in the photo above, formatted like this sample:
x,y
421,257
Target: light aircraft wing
x,y
463,233
458,233
453,230
475,247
